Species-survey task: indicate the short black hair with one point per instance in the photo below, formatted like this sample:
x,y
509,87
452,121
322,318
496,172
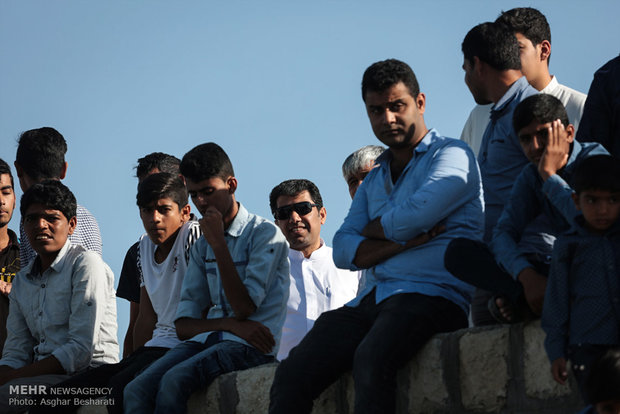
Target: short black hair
x,y
41,153
381,75
162,185
598,172
6,169
494,44
162,161
603,382
528,21
293,187
53,195
542,107
206,161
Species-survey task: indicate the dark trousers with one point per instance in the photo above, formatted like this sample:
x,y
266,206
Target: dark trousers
x,y
115,376
472,262
372,339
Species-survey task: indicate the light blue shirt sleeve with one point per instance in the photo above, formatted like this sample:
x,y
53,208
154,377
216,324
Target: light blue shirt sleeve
x,y
88,310
446,187
267,246
195,294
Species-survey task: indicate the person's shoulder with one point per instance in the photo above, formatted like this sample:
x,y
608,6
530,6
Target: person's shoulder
x,y
261,227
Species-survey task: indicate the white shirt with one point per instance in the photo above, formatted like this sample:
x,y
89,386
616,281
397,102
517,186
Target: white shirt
x,y
68,312
478,118
317,285
163,281
475,125
573,100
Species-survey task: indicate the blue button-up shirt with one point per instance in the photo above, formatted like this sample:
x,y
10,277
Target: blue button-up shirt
x,y
260,254
501,158
531,197
440,184
582,301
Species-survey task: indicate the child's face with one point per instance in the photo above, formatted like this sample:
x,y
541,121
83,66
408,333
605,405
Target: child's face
x,y
535,137
47,230
162,219
600,208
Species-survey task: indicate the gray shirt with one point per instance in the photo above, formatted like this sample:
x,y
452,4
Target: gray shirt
x,y
68,312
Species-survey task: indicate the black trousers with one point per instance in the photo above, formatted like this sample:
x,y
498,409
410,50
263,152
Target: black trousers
x,y
472,262
372,339
115,376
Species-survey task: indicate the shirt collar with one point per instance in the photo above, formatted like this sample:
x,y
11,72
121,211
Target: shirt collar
x,y
510,94
13,241
239,222
56,265
317,254
384,159
551,86
576,149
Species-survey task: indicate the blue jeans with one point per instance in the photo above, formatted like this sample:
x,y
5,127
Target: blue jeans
x,y
167,384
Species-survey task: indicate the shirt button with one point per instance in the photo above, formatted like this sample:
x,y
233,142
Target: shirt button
x,y
40,313
42,340
43,285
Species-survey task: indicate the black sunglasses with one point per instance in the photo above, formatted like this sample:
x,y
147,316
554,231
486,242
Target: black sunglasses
x,y
284,213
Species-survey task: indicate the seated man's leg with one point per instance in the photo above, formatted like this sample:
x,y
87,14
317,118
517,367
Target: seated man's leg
x,y
472,262
403,325
140,393
325,353
137,362
197,372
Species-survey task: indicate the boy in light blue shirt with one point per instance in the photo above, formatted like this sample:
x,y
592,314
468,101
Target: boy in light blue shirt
x,y
238,275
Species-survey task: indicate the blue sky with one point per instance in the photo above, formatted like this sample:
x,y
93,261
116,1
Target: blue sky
x,y
276,84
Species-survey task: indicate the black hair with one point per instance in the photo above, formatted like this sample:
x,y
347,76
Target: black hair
x,y
603,382
542,107
206,161
381,75
494,44
53,195
528,21
162,185
598,172
41,153
291,188
163,162
5,169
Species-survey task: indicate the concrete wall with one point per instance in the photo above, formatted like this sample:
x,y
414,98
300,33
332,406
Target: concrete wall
x,y
501,369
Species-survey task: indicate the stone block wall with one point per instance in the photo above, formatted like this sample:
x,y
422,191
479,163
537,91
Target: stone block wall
x,y
501,369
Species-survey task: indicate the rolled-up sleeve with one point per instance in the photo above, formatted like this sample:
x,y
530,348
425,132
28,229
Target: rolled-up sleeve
x,y
448,184
268,249
88,309
195,293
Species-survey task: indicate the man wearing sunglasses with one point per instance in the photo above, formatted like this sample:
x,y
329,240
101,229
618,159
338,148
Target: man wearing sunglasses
x,y
422,181
317,285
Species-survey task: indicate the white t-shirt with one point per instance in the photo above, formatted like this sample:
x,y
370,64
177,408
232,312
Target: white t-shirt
x,y
317,285
163,281
573,100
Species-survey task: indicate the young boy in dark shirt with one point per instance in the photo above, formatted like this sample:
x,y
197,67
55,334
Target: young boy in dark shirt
x,y
582,301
